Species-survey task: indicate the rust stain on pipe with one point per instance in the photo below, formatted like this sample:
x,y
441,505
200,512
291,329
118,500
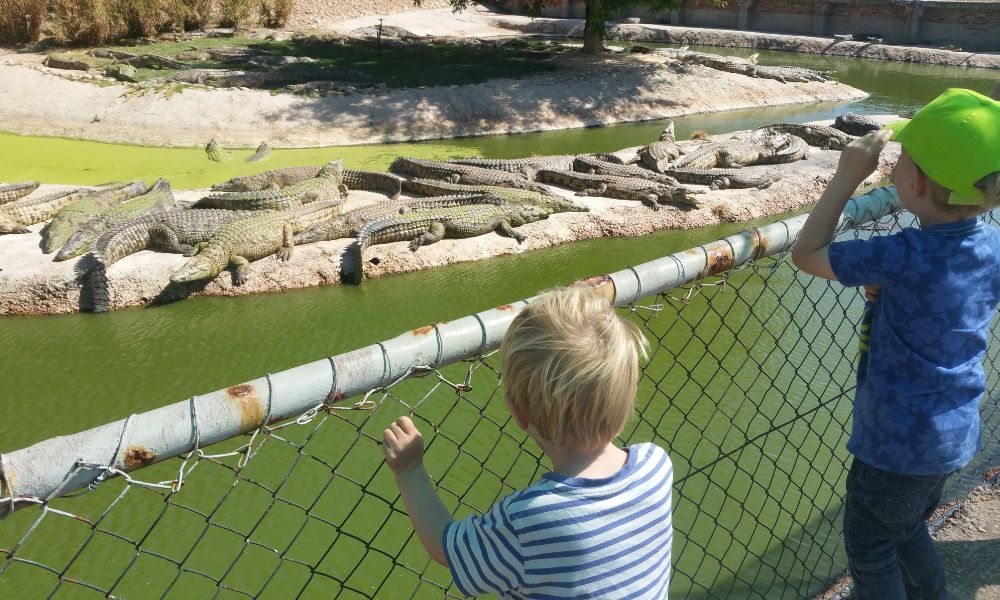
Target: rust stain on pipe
x,y
506,307
425,330
137,457
759,244
720,260
248,403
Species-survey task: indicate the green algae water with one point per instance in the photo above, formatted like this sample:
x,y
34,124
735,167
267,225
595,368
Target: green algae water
x,y
720,375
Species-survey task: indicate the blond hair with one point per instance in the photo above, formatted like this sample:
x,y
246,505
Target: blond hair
x,y
571,367
989,186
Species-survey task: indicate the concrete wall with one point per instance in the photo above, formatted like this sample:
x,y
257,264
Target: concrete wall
x,y
964,24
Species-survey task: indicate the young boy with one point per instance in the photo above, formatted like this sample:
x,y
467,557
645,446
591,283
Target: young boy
x,y
598,525
932,291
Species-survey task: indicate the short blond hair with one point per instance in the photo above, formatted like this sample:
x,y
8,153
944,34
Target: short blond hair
x,y
989,186
571,367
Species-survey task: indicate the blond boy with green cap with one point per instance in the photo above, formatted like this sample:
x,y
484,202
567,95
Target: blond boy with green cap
x,y
932,291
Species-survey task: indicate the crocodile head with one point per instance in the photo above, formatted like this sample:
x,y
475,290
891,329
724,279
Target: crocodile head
x,y
56,233
198,267
8,225
332,170
558,204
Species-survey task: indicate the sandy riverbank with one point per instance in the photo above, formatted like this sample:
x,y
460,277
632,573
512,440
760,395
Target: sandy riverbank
x,y
585,91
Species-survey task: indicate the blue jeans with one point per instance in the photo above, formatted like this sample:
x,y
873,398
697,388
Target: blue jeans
x,y
890,554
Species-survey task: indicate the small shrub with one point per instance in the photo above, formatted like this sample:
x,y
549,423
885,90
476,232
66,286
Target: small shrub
x,y
84,22
275,13
233,13
199,13
21,20
138,18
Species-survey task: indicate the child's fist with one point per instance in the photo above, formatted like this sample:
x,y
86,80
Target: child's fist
x,y
859,159
403,446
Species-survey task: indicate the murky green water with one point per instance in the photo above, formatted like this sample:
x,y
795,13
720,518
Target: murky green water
x,y
719,378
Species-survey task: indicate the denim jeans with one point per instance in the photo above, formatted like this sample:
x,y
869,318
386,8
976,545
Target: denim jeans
x,y
890,554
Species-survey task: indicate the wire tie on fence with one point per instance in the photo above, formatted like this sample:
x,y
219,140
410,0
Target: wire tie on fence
x,y
332,395
110,468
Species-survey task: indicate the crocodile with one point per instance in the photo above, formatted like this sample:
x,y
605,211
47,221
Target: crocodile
x,y
436,169
176,231
13,191
328,184
233,53
659,154
201,76
822,136
790,74
30,210
522,166
252,238
720,179
855,124
797,149
351,222
151,61
275,178
263,153
430,226
589,164
648,192
216,153
159,198
77,214
733,153
373,181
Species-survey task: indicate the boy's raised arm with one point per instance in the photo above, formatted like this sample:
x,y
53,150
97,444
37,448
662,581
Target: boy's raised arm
x,y
403,447
857,161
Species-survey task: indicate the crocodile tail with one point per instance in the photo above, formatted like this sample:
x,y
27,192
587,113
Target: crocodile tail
x,y
367,236
99,284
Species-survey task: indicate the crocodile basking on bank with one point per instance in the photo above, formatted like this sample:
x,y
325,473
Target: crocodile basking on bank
x,y
659,154
590,164
177,231
350,223
522,166
10,192
732,153
15,216
327,185
822,136
275,178
77,214
373,181
648,192
430,226
855,124
239,242
436,169
159,198
720,179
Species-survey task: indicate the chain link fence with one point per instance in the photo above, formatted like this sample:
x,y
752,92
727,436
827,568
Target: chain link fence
x,y
276,488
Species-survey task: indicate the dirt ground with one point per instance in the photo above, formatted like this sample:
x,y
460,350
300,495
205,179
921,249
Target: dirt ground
x,y
969,544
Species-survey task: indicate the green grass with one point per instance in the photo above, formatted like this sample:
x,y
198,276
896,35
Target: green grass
x,y
397,66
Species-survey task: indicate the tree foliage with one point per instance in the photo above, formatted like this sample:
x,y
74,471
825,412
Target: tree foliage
x,y
598,12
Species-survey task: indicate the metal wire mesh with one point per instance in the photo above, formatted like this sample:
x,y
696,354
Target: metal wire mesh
x,y
749,387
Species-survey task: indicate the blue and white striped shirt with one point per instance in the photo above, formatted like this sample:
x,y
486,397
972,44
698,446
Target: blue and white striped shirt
x,y
573,537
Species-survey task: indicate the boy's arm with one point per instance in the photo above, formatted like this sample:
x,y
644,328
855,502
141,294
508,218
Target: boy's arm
x,y
403,447
857,161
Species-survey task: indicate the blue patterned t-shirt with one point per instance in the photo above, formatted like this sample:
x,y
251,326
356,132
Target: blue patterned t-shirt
x,y
916,408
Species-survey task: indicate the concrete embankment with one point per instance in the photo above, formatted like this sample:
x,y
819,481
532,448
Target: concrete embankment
x,y
764,41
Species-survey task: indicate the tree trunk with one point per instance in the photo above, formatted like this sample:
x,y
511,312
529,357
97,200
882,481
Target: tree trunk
x,y
593,30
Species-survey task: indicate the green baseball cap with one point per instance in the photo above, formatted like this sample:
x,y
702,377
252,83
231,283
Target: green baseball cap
x,y
955,140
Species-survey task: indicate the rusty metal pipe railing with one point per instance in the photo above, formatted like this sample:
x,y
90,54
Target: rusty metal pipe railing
x,y
64,464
